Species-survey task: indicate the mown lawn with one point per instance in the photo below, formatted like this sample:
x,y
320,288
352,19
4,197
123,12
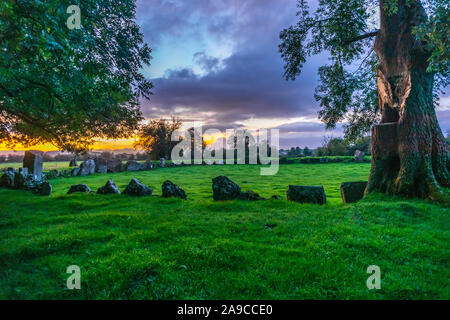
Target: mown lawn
x,y
155,248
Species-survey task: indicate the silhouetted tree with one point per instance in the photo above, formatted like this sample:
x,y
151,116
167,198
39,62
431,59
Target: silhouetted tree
x,y
307,152
155,137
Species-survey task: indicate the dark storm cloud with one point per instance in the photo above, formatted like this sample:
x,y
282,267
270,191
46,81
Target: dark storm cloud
x,y
247,85
300,127
178,19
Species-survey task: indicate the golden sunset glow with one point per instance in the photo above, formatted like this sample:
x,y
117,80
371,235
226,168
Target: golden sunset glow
x,y
99,145
103,144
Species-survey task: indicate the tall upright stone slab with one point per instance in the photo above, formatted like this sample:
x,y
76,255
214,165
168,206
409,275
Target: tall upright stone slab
x,y
114,165
353,191
33,161
73,163
87,167
101,165
359,156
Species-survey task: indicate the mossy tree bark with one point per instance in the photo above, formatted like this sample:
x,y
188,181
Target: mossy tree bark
x,y
409,156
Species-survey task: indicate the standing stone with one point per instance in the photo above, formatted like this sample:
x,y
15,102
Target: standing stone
x,y
114,165
101,165
73,163
162,162
79,188
148,165
75,172
109,188
353,191
34,163
133,165
7,180
23,171
43,189
136,188
19,180
87,167
52,174
30,184
359,156
170,189
250,196
225,189
306,194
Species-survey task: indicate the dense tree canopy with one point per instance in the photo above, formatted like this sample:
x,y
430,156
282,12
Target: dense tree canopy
x,y
346,31
69,86
156,137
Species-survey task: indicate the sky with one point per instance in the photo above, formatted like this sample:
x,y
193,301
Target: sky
x,y
217,61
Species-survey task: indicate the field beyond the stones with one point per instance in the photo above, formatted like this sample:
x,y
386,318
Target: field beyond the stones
x,y
156,248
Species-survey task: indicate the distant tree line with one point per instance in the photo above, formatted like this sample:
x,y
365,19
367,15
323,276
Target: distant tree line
x,y
341,147
297,152
330,147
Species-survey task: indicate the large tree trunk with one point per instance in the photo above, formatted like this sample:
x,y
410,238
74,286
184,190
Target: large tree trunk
x,y
409,156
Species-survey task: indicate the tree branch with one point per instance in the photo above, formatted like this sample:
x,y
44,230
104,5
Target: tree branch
x,y
361,37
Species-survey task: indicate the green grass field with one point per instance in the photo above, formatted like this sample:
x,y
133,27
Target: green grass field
x,y
58,165
155,248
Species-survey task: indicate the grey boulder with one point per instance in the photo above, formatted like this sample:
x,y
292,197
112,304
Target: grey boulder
x,y
43,189
52,174
7,180
87,168
136,188
75,172
250,196
79,188
353,191
306,194
73,163
109,188
170,189
148,165
19,179
101,165
225,189
133,165
114,165
359,156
